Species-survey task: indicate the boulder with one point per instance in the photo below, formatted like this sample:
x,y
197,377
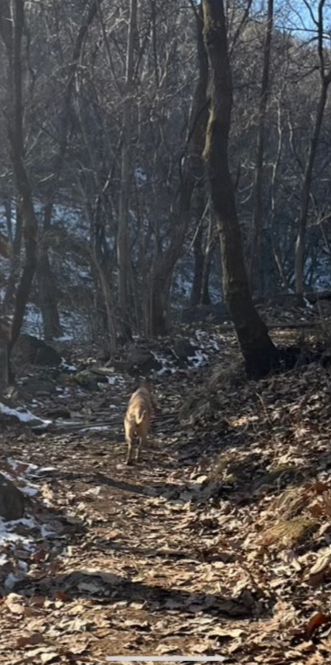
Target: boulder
x,y
30,350
11,500
183,350
38,386
142,360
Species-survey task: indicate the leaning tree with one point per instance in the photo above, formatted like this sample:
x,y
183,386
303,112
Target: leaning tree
x,y
260,354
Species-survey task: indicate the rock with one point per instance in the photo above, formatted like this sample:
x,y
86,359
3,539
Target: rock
x,y
33,351
64,414
38,386
217,313
11,500
183,350
143,360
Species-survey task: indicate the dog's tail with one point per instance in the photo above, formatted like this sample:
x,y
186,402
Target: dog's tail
x,y
141,417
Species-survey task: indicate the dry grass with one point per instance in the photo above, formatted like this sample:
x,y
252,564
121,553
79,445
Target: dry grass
x,y
289,533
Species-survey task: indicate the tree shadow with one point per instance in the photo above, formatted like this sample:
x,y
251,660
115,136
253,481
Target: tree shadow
x,y
157,489
112,588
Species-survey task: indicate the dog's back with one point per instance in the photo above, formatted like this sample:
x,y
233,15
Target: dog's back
x,y
137,420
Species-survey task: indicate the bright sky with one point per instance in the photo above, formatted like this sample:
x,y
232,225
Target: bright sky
x,y
298,16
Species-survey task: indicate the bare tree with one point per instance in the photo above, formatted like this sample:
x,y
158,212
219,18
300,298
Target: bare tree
x,y
259,352
325,80
124,199
256,271
11,28
192,177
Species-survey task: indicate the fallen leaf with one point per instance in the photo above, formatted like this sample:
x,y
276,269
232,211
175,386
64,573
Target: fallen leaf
x,y
33,639
14,603
317,620
37,601
49,657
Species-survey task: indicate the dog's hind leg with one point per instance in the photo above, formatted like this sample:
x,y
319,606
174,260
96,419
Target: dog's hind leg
x,y
129,438
129,457
141,444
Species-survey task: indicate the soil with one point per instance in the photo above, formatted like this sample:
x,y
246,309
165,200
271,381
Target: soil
x,y
216,544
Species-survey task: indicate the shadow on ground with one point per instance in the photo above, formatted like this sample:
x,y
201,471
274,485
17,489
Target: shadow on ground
x,y
110,589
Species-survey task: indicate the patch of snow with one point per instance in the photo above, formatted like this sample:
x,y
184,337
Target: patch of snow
x,y
29,490
15,463
45,469
199,359
100,428
66,366
23,415
64,338
46,532
116,378
8,535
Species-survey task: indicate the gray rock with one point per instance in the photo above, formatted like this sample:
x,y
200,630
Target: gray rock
x,y
143,360
183,350
33,351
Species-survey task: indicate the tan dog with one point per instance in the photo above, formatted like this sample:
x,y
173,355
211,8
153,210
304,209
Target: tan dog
x,y
137,421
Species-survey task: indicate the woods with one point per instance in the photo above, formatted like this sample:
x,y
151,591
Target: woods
x,y
165,310
106,121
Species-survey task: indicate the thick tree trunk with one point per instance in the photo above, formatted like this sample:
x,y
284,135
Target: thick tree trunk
x,y
259,352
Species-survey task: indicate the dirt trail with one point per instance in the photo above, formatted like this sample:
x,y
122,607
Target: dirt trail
x,y
142,561
128,572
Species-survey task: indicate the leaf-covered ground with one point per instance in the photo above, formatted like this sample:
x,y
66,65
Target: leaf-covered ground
x,y
218,543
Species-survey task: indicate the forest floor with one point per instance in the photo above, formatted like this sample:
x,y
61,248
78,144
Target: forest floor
x,y
217,544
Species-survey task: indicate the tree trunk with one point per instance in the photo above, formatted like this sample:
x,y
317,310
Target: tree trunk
x,y
48,299
12,38
256,266
4,357
15,263
199,260
198,249
259,352
192,175
47,294
123,257
303,219
205,297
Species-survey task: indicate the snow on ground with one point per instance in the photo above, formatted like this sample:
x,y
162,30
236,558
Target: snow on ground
x,y
205,344
20,539
116,379
23,415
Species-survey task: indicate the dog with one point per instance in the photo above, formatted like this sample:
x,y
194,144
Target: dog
x,y
137,421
